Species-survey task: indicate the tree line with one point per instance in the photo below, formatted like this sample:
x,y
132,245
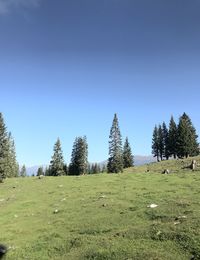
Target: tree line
x,y
119,157
177,141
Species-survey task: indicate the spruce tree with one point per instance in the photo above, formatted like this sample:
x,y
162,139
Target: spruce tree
x,y
79,157
155,143
40,171
47,171
161,142
115,161
187,144
172,138
57,161
23,172
165,134
12,161
127,155
4,150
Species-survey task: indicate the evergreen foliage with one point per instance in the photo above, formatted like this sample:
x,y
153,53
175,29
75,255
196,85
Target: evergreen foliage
x,y
8,163
79,157
127,155
40,171
161,142
115,161
23,171
187,143
47,171
172,138
57,162
178,141
155,143
95,168
165,135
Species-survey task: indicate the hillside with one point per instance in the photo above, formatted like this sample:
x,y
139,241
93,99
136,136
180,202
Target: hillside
x,y
105,216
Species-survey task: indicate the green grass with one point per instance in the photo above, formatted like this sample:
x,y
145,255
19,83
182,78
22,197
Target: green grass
x,y
104,216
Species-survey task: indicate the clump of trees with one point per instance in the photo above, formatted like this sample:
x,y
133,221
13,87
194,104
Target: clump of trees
x,y
8,164
119,158
178,140
79,159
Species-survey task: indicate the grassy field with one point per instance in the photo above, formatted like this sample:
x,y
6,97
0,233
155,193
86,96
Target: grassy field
x,y
104,216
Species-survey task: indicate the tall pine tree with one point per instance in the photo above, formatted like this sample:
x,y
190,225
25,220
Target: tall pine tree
x,y
79,157
23,172
4,148
57,162
165,140
8,163
127,155
161,142
115,161
155,143
172,138
187,144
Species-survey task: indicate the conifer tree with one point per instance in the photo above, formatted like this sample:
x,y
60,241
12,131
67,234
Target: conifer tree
x,y
155,143
104,168
187,144
23,172
57,161
40,171
3,147
115,161
165,134
161,142
172,138
127,155
8,163
47,171
66,169
79,157
12,161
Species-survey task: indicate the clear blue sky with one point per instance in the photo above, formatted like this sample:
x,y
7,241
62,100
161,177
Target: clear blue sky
x,y
67,66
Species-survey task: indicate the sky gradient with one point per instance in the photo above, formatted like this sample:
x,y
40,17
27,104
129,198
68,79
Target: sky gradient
x,y
67,66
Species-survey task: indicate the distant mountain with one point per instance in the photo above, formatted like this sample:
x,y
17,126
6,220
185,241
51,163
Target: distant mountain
x,y
142,159
138,160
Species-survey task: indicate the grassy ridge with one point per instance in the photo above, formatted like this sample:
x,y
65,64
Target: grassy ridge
x,y
103,216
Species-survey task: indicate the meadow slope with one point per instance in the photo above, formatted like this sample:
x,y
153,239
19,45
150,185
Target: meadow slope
x,y
104,216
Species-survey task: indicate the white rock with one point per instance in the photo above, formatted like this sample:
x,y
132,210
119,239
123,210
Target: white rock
x,y
152,206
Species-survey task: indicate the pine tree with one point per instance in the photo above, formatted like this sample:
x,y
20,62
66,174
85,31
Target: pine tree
x,y
95,168
4,150
172,138
8,163
12,162
155,143
104,168
40,171
57,161
66,169
165,134
47,171
161,142
23,172
79,157
115,161
187,144
127,155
